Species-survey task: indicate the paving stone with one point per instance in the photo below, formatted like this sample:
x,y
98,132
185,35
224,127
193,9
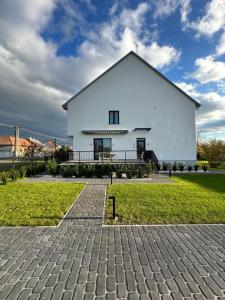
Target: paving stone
x,y
141,288
130,281
46,293
120,278
67,295
110,296
81,259
58,291
82,277
121,290
154,296
111,283
133,296
100,285
39,286
162,288
24,295
79,291
151,284
88,297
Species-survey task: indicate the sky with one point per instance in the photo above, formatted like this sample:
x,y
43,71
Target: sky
x,y
50,49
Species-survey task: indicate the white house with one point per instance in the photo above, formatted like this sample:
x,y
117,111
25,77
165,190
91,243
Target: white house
x,y
129,110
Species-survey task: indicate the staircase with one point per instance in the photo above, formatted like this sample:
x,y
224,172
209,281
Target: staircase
x,y
154,161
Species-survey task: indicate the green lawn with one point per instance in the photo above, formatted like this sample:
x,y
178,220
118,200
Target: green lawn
x,y
36,203
192,198
205,162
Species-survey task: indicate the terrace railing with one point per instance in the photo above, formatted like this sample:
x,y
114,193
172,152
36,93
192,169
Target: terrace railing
x,y
117,156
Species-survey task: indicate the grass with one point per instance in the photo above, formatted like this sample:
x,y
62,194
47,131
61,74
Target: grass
x,y
192,198
36,203
205,162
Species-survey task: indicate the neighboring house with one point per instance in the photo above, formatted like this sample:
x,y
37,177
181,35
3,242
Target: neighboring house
x,y
8,146
130,109
44,148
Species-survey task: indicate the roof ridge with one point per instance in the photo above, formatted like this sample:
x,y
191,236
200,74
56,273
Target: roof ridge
x,y
145,62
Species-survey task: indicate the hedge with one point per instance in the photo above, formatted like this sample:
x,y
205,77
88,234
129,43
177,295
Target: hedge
x,y
100,170
22,171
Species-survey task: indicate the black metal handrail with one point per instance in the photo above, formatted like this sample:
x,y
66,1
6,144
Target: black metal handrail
x,y
119,156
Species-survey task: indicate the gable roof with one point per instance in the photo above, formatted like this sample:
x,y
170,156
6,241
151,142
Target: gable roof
x,y
65,105
10,141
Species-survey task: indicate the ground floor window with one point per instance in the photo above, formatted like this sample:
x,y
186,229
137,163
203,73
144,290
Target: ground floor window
x,y
141,147
102,145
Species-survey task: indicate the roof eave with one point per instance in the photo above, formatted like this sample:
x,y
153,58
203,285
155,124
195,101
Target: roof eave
x,y
198,105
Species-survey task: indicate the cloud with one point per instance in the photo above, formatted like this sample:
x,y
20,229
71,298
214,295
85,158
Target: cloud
x,y
220,49
208,70
210,116
122,34
35,80
164,8
213,20
114,8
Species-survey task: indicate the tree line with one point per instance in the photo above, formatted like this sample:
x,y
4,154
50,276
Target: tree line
x,y
212,151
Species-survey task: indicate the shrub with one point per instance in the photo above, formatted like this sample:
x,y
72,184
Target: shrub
x,y
148,169
22,171
4,177
28,170
90,171
129,173
81,170
66,171
75,171
214,164
196,167
98,171
169,166
158,167
189,168
140,171
119,173
121,169
14,175
174,167
204,168
165,166
108,169
51,167
181,167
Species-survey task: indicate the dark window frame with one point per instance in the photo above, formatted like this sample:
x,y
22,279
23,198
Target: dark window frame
x,y
114,112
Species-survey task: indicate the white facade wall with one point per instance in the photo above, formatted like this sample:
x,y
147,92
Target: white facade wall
x,y
144,99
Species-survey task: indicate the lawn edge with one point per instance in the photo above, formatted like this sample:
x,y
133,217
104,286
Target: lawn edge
x,y
85,185
49,226
164,225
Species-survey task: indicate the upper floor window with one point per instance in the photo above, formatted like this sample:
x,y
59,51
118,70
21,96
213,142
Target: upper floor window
x,y
113,117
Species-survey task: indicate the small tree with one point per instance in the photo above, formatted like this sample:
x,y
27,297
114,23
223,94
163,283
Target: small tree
x,y
213,151
32,149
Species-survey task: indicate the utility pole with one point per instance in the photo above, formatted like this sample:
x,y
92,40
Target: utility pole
x,y
55,145
16,140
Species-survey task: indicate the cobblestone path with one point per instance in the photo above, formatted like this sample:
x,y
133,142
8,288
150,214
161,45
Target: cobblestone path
x,y
81,259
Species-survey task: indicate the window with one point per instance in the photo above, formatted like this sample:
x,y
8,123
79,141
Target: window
x,y
113,117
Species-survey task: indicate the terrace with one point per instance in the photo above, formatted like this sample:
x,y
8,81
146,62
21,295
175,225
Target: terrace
x,y
115,157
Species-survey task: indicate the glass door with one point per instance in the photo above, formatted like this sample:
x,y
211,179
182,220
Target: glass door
x,y
101,147
140,148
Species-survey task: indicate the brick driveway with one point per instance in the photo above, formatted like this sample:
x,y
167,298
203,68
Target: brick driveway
x,y
81,259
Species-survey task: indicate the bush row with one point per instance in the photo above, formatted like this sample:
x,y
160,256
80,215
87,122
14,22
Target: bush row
x,y
180,167
22,171
98,170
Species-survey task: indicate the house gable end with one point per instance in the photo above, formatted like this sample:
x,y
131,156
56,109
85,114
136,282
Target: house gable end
x,y
65,105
